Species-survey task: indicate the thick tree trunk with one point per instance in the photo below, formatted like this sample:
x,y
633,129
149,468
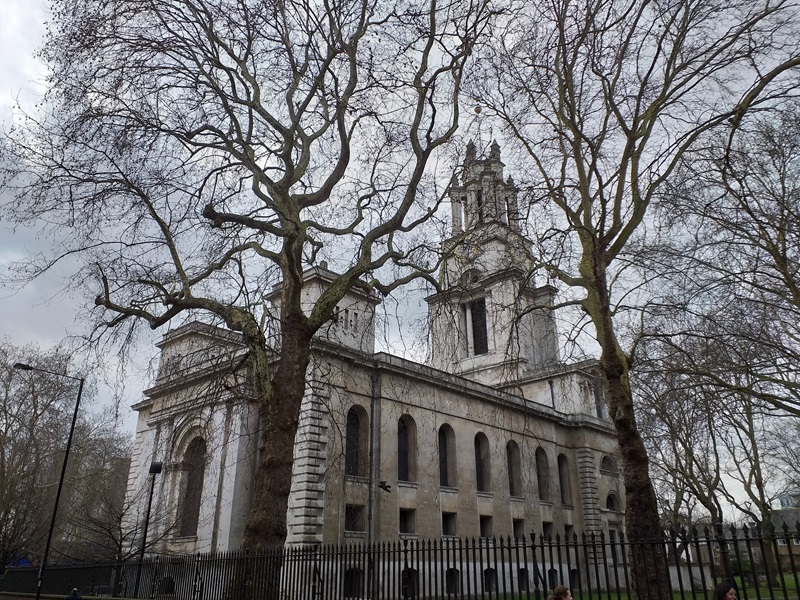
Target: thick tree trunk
x,y
280,398
649,569
649,573
279,388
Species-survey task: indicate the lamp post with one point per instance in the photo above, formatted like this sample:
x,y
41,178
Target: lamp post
x,y
25,367
155,469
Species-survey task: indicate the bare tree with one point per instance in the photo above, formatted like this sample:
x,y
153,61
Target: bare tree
x,y
785,449
736,244
203,153
96,512
728,319
714,444
35,411
678,423
604,99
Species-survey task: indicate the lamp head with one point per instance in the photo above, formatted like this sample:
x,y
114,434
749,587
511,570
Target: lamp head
x,y
23,367
155,468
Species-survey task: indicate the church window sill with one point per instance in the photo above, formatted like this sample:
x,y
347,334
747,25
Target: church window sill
x,y
355,534
356,479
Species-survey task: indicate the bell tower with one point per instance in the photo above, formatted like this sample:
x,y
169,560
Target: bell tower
x,y
490,322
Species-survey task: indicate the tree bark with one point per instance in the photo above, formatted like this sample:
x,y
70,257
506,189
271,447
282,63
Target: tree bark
x,y
281,395
649,567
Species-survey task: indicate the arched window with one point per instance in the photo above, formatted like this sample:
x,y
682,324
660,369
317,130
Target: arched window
x,y
353,583
447,456
609,465
166,585
514,469
452,581
574,578
489,580
523,581
409,583
355,451
552,577
543,476
191,487
612,502
564,480
483,474
406,449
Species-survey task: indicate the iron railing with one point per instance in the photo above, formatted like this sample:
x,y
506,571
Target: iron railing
x,y
596,567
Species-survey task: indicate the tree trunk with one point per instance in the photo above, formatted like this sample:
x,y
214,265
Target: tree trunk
x,y
279,410
649,573
769,552
280,388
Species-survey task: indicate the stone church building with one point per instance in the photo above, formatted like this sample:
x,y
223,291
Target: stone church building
x,y
495,436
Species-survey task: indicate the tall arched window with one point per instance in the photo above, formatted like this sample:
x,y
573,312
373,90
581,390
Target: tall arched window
x,y
406,449
514,467
452,581
483,472
543,476
355,447
564,480
191,487
353,583
447,456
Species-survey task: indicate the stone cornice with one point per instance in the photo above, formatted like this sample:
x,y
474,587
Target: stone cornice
x,y
391,363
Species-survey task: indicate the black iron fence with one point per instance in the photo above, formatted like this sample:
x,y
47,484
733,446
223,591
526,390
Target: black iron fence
x,y
595,566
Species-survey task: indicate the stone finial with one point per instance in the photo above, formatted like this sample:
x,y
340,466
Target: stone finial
x,y
494,151
470,157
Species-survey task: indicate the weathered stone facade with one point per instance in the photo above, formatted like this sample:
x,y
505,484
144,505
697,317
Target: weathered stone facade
x,y
495,436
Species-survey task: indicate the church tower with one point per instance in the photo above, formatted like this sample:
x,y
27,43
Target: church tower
x,y
490,322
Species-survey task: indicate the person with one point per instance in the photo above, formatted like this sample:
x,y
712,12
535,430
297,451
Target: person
x,y
74,595
562,592
725,591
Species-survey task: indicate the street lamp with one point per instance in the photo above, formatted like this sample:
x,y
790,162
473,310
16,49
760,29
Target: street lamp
x,y
25,367
155,469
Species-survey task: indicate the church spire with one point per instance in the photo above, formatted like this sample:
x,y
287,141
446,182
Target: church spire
x,y
483,197
494,151
486,322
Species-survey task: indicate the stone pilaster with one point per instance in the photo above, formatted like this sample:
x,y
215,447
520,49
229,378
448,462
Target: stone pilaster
x,y
307,496
590,497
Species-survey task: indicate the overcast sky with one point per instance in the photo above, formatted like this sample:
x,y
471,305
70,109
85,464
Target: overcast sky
x,y
26,315
38,313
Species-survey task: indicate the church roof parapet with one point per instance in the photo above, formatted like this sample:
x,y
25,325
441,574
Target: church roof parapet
x,y
322,274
